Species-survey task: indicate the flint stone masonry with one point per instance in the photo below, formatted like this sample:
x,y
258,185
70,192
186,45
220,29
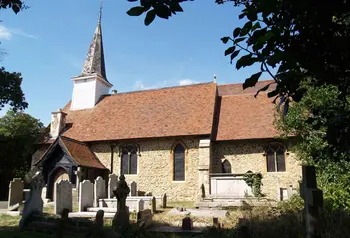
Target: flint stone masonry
x,y
15,192
157,177
245,156
86,195
64,199
112,184
99,190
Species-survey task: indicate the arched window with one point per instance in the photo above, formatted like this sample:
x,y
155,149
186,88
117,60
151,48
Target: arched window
x,y
226,167
128,161
275,158
179,163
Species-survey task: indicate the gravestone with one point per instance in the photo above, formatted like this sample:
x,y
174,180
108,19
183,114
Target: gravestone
x,y
140,205
64,199
153,205
62,223
121,218
216,223
313,201
112,184
133,188
144,218
99,190
164,201
187,224
96,230
34,203
15,192
86,195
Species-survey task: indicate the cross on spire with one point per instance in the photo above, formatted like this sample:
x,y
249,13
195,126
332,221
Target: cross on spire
x,y
100,13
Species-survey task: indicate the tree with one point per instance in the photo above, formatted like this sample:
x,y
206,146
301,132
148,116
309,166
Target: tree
x,y
300,39
18,133
308,121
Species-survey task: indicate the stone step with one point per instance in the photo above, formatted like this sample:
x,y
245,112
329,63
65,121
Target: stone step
x,y
89,214
105,209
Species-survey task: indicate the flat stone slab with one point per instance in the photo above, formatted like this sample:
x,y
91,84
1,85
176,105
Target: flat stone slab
x,y
199,212
105,209
172,229
89,215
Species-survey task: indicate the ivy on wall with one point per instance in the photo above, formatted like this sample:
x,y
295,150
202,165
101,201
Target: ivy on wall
x,y
253,180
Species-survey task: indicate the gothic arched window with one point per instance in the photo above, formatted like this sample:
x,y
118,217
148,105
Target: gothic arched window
x,y
128,161
179,163
275,158
226,167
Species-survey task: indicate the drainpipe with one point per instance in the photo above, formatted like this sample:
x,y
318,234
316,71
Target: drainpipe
x,y
113,145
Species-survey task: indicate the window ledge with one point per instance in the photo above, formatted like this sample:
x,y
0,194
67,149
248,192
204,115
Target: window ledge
x,y
178,181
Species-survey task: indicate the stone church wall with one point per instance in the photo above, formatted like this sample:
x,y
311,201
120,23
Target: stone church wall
x,y
155,171
249,155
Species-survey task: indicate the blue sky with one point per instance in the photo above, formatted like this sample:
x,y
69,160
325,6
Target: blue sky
x,y
48,44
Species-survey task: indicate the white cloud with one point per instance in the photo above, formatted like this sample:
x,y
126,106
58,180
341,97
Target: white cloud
x,y
5,34
139,85
8,33
186,82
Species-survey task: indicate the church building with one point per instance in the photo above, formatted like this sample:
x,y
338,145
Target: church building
x,y
191,142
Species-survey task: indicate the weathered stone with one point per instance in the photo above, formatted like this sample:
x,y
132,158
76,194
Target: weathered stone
x,y
86,195
216,223
144,218
15,192
99,190
64,199
96,230
187,224
164,201
154,205
62,223
133,188
34,204
121,219
112,184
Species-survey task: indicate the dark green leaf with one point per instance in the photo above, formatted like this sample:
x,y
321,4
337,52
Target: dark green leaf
x,y
251,81
236,32
162,11
151,15
241,15
256,26
136,11
230,50
262,89
272,93
234,54
246,28
237,40
175,6
245,60
225,39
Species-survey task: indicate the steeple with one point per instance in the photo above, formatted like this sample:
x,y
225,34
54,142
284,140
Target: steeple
x,y
92,84
95,61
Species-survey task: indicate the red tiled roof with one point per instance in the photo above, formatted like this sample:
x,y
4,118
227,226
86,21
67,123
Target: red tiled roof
x,y
237,88
242,116
176,111
81,154
78,151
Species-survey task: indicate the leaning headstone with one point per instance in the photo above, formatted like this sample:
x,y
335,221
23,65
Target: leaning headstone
x,y
164,201
99,190
15,192
144,218
64,199
187,224
86,195
112,184
34,204
133,188
313,201
153,205
121,220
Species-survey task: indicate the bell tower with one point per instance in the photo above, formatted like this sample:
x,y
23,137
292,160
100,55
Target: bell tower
x,y
92,82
